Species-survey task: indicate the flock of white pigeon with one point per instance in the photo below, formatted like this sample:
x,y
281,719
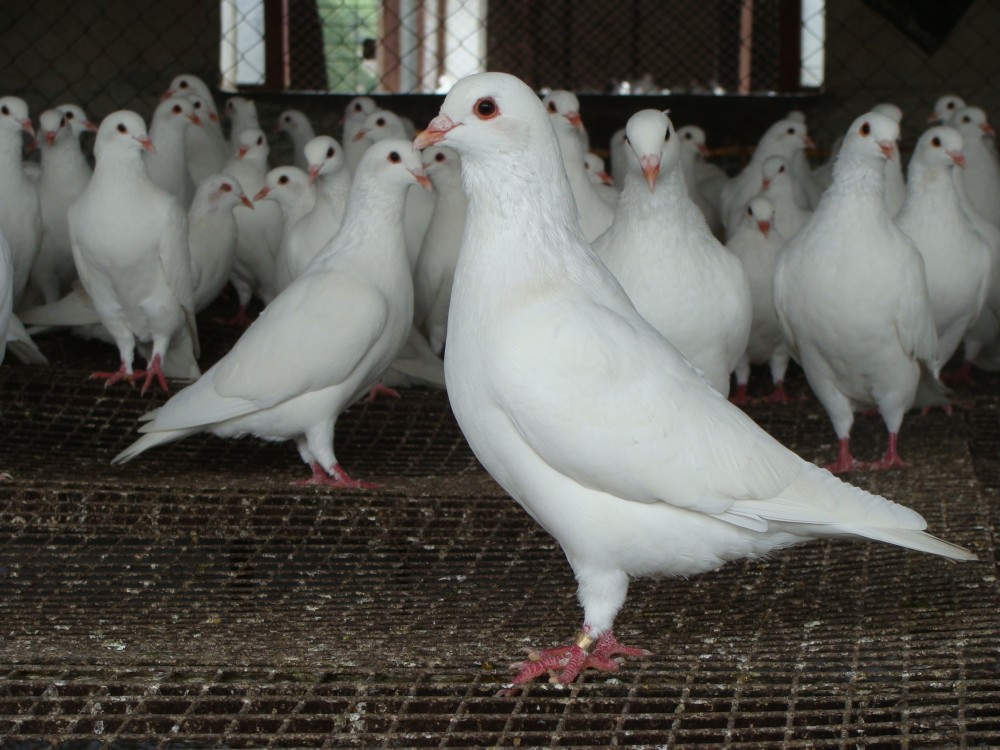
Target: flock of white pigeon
x,y
587,332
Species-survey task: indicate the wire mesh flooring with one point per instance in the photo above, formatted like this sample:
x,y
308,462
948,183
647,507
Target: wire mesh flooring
x,y
198,598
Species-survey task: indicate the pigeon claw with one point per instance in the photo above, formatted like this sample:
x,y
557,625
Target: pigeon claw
x,y
339,479
110,378
891,459
845,461
961,376
239,320
565,663
780,396
153,372
381,390
739,396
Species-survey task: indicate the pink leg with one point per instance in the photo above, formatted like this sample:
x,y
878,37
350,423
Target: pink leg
x,y
239,320
338,479
845,461
380,390
569,661
947,409
739,396
891,459
154,370
780,396
961,376
110,378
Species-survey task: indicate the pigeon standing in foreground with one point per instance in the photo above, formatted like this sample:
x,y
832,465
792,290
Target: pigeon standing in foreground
x,y
678,275
129,241
586,415
852,297
322,343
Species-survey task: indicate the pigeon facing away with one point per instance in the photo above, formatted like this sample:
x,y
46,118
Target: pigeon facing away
x,y
320,344
852,297
679,277
129,241
586,415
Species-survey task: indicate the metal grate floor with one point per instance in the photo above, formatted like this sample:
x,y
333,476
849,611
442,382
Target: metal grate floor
x,y
197,598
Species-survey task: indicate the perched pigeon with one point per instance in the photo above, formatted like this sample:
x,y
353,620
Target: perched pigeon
x,y
895,183
588,417
322,343
757,242
944,108
207,148
982,166
78,121
355,115
212,235
679,277
595,214
167,163
242,114
603,183
692,139
956,257
20,209
567,104
778,186
852,297
296,124
291,189
129,241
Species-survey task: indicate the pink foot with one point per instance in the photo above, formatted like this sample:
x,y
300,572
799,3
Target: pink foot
x,y
565,663
891,459
947,409
338,479
961,376
110,378
845,461
780,396
239,320
154,371
380,390
739,396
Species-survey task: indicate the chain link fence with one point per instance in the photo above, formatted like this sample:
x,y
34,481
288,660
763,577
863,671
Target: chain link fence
x,y
733,63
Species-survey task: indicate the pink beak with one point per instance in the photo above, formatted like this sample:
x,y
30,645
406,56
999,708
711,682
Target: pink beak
x,y
26,126
650,169
246,201
422,180
888,148
87,124
436,130
146,143
765,184
314,173
213,116
49,136
195,119
987,128
167,94
262,193
808,142
958,157
765,227
360,134
242,152
933,117
605,178
703,149
574,118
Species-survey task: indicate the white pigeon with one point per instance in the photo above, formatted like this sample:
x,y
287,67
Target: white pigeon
x,y
322,343
291,189
354,118
588,417
207,148
242,114
65,175
852,297
982,166
167,164
129,240
784,138
616,153
13,335
956,257
692,140
603,183
567,104
439,254
20,208
944,108
259,230
212,235
757,242
78,121
296,124
823,174
895,183
594,213
679,277
329,173
778,186
801,169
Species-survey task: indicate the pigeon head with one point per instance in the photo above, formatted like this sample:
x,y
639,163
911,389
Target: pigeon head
x,y
252,144
324,156
562,103
14,115
775,169
202,108
760,212
940,146
945,107
379,125
393,162
239,106
185,84
890,110
653,143
872,135
785,137
594,166
443,166
283,185
223,192
971,119
77,119
691,136
358,109
52,126
289,121
177,111
121,132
